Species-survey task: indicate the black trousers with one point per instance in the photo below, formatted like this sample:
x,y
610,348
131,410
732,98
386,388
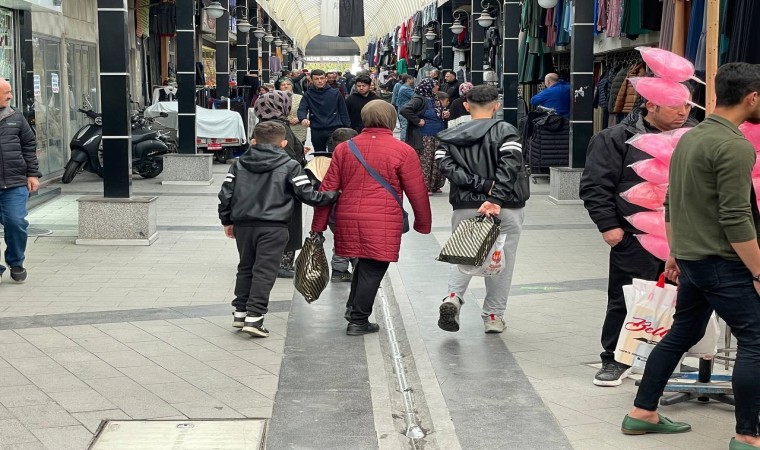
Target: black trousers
x,y
320,137
260,250
628,260
368,274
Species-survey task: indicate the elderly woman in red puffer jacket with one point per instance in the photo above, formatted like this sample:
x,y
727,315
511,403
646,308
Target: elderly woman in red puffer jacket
x,y
368,219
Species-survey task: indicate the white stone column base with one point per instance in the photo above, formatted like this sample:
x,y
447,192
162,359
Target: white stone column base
x,y
564,186
188,169
117,221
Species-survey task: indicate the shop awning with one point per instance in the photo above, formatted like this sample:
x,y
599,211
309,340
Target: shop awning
x,y
300,19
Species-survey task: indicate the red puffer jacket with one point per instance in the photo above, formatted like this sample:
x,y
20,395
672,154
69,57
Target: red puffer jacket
x,y
368,220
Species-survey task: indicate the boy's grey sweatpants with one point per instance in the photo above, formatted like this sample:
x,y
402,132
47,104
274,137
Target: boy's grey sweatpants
x,y
341,263
497,286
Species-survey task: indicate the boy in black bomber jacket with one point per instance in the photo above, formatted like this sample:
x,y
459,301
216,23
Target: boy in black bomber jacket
x,y
256,202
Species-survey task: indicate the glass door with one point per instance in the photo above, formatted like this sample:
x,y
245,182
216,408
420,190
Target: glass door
x,y
82,71
51,145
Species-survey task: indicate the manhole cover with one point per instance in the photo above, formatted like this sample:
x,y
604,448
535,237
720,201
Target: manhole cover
x,y
232,434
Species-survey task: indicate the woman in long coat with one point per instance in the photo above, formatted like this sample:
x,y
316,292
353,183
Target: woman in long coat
x,y
425,116
368,219
276,106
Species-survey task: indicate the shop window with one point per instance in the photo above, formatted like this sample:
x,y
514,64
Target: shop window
x,y
82,76
48,106
7,54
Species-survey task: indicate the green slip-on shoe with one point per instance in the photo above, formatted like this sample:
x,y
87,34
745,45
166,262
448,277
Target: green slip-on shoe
x,y
666,426
739,445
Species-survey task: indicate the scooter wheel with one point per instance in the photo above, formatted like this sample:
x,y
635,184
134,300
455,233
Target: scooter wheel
x,y
156,170
71,170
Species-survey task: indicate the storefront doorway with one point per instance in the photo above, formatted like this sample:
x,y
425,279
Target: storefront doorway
x,y
48,105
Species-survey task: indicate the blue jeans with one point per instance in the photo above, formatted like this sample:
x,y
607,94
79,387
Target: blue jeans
x,y
13,218
724,286
403,124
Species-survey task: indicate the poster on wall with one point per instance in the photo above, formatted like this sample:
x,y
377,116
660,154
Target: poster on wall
x,y
54,83
37,86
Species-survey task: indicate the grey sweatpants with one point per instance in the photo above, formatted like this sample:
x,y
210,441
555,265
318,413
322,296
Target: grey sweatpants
x,y
497,286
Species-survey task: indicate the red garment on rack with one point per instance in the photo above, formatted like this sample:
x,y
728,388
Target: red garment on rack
x,y
403,50
551,30
377,52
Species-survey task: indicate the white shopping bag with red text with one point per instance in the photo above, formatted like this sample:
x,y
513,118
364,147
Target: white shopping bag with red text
x,y
651,306
494,263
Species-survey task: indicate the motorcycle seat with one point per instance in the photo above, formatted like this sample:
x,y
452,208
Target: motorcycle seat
x,y
137,138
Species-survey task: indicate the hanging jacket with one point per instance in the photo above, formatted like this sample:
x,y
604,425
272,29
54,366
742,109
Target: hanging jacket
x,y
616,85
626,97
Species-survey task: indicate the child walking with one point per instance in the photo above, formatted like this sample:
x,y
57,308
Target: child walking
x,y
256,201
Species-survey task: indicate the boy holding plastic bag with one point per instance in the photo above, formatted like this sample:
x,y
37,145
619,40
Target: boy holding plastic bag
x,y
483,161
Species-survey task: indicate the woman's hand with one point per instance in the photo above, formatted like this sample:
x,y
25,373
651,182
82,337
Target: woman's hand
x,y
421,123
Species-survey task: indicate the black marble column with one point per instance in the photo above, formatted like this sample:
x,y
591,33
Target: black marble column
x,y
253,42
447,51
241,48
581,82
265,50
477,36
26,100
223,52
511,30
113,46
185,77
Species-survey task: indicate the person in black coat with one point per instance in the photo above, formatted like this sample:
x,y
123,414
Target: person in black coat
x,y
451,85
275,106
356,101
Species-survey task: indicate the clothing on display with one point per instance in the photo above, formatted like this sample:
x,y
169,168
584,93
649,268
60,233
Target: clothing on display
x,y
329,18
351,22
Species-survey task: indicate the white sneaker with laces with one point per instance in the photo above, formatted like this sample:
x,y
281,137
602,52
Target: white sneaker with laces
x,y
494,324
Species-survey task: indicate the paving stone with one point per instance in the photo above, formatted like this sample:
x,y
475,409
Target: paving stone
x,y
209,380
259,356
236,367
179,363
57,382
64,438
179,392
13,432
47,415
24,446
89,370
101,344
19,350
91,419
213,409
132,398
13,396
81,401
153,348
12,377
152,374
80,331
10,337
125,358
265,385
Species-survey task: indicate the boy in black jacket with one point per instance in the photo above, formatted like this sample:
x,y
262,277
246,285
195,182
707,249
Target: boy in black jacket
x,y
256,202
483,161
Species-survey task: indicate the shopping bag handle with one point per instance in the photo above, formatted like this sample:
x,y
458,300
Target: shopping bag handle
x,y
661,281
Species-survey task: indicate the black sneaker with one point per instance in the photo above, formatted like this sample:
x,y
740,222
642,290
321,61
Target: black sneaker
x,y
18,274
611,374
341,277
238,319
355,329
255,326
285,273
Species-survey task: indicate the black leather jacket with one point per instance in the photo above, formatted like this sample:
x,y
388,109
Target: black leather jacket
x,y
261,188
483,160
608,174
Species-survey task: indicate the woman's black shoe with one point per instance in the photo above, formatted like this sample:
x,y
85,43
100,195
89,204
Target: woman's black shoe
x,y
355,329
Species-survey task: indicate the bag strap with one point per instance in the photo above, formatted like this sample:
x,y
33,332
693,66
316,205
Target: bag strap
x,y
382,181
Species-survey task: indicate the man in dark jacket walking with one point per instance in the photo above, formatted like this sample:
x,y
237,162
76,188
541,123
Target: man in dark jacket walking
x,y
466,157
607,174
323,109
19,175
356,101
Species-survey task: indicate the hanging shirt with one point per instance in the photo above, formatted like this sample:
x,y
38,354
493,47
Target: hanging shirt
x,y
329,24
614,14
351,22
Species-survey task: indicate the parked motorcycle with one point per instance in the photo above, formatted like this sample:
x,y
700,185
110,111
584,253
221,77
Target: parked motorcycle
x,y
148,147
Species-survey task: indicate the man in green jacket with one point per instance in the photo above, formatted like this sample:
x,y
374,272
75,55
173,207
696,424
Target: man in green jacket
x,y
711,219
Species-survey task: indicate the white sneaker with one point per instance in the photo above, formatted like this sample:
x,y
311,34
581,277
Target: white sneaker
x,y
494,324
448,319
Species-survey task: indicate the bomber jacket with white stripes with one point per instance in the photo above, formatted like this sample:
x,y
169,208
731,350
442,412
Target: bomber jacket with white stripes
x,y
483,161
261,188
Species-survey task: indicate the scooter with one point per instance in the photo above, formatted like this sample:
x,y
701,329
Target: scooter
x,y
148,147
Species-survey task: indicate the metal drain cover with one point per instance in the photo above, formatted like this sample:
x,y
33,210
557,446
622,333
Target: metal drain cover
x,y
228,434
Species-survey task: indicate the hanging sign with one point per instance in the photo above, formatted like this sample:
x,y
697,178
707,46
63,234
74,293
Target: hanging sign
x,y
54,83
37,86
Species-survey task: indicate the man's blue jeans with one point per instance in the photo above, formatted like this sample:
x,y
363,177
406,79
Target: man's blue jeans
x,y
724,286
13,218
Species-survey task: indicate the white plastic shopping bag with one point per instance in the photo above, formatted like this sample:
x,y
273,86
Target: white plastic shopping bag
x,y
707,347
493,264
650,315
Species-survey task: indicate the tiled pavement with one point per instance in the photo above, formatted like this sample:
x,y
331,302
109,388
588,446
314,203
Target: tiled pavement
x,y
115,332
